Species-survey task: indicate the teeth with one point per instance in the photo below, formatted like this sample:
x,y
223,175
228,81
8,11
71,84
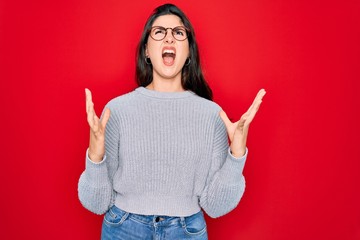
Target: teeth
x,y
169,51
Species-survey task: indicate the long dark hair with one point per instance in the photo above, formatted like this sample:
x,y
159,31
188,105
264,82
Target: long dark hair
x,y
192,77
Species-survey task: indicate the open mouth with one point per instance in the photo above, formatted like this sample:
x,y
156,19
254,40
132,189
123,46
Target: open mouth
x,y
168,55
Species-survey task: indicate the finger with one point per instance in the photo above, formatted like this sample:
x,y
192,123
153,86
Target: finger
x,y
258,98
105,118
241,122
96,123
261,93
91,115
89,102
88,99
93,121
251,112
230,127
225,119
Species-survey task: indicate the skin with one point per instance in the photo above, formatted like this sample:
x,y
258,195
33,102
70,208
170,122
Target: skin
x,y
168,79
97,129
238,131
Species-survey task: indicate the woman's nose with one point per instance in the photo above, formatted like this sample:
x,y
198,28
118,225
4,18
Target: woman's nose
x,y
169,38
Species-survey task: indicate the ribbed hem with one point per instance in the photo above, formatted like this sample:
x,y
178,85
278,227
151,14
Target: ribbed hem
x,y
147,204
164,95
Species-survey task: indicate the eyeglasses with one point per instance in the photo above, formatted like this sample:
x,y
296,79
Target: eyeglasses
x,y
158,33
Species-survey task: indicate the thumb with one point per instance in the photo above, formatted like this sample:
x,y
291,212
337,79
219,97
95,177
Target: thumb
x,y
105,117
226,120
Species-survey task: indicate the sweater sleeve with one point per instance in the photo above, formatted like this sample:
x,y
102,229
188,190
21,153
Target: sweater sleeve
x,y
225,183
95,188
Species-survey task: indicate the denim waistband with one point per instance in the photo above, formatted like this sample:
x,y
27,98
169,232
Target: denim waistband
x,y
159,220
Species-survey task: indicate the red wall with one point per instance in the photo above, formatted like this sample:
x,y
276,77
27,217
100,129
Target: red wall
x,y
303,168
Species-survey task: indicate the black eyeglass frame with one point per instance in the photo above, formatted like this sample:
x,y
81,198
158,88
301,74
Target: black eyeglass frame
x,y
172,32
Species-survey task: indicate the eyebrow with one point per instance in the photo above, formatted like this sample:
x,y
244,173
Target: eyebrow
x,y
168,27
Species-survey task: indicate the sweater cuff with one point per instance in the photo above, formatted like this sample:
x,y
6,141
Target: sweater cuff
x,y
96,172
243,158
233,167
88,158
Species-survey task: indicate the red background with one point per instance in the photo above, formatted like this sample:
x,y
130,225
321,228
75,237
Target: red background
x,y
303,168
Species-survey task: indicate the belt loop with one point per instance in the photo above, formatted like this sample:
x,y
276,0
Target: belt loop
x,y
124,217
182,220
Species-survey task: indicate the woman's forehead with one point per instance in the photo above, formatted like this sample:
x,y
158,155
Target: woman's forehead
x,y
169,20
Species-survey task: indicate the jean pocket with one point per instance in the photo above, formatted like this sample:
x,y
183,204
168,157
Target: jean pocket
x,y
115,216
195,225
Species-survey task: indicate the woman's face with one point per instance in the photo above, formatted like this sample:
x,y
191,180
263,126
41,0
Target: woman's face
x,y
168,55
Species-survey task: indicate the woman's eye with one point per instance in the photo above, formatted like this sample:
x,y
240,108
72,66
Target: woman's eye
x,y
180,32
159,31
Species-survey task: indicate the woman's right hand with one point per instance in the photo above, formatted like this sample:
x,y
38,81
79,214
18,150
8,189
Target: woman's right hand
x,y
97,129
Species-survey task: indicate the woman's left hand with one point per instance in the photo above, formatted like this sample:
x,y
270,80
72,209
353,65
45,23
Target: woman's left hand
x,y
238,131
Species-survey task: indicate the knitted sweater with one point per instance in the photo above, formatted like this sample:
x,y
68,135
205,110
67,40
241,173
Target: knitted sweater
x,y
165,154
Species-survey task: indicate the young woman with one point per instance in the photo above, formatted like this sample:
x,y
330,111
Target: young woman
x,y
164,155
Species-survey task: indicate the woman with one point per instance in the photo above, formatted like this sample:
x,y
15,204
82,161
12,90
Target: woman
x,y
164,155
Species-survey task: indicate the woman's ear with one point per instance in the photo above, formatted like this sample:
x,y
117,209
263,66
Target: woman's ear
x,y
146,51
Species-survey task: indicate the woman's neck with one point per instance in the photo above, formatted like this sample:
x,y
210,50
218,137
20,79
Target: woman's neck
x,y
165,85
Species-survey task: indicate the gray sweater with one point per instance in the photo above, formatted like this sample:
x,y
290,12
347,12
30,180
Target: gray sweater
x,y
166,154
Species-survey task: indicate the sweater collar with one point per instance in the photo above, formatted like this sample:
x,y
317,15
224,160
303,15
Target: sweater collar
x,y
164,95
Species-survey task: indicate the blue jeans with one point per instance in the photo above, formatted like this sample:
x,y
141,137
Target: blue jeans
x,y
119,224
